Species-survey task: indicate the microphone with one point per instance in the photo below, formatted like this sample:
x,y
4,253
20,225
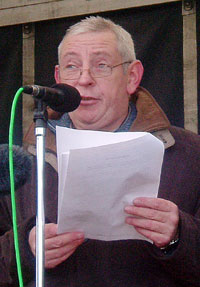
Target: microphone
x,y
22,163
60,97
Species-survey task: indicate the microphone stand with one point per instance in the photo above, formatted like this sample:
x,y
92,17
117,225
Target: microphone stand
x,y
40,118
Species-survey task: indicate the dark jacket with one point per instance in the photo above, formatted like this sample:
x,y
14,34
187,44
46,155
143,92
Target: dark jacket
x,y
125,263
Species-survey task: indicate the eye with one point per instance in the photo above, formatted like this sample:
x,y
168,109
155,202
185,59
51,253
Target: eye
x,y
71,67
102,66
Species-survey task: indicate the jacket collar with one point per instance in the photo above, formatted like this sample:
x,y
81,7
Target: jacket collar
x,y
150,116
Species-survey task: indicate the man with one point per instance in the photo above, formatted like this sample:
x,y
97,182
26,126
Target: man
x,y
97,57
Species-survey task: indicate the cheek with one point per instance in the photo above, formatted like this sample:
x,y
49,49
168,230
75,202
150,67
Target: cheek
x,y
107,90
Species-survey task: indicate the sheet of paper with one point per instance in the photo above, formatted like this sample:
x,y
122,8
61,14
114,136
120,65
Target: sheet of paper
x,y
99,174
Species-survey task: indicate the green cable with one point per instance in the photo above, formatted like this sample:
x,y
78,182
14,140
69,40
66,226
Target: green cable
x,y
12,186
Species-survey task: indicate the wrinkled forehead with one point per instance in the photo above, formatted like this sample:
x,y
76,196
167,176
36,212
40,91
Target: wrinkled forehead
x,y
94,42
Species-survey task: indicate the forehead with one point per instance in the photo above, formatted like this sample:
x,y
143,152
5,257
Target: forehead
x,y
92,43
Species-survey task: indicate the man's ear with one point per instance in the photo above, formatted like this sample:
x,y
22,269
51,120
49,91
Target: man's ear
x,y
135,73
57,74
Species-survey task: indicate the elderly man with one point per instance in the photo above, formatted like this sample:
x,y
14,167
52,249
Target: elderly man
x,y
97,57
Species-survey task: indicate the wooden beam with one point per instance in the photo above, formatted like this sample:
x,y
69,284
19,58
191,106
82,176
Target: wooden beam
x,y
9,4
23,11
190,70
28,73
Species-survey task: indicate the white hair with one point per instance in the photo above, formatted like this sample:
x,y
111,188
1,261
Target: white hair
x,y
99,24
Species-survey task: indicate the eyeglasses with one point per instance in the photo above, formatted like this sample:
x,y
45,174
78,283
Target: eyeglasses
x,y
72,72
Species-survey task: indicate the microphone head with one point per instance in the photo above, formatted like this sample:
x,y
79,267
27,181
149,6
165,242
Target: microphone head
x,y
70,98
22,163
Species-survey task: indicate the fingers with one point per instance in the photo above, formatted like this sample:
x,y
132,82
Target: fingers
x,y
154,203
50,230
59,240
148,213
57,255
147,224
60,251
58,247
31,240
51,263
157,232
159,239
155,218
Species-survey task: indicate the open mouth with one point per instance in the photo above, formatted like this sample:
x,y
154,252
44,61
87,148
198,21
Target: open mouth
x,y
87,99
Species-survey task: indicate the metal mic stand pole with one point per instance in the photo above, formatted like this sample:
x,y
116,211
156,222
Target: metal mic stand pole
x,y
40,118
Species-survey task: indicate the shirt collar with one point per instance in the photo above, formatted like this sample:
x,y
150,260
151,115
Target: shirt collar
x,y
65,121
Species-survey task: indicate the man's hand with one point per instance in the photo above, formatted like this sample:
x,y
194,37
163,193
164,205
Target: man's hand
x,y
57,247
155,218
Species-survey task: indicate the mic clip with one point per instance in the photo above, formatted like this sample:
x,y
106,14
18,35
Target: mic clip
x,y
40,115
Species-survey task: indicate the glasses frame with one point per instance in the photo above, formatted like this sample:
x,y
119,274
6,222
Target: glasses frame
x,y
111,69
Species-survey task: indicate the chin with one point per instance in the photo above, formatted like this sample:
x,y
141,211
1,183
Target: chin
x,y
84,116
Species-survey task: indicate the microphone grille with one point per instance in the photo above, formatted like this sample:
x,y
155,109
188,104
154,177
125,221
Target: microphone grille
x,y
71,96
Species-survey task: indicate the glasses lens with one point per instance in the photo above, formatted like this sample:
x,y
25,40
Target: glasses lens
x,y
100,71
70,74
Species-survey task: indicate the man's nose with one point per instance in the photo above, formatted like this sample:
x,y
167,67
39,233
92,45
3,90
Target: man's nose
x,y
86,77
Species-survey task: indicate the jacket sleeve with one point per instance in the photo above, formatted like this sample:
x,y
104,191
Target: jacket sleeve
x,y
181,184
8,268
183,263
26,213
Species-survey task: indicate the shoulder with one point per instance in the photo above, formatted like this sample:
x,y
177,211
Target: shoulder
x,y
184,155
185,138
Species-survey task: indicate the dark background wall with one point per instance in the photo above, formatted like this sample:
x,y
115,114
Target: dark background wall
x,y
10,79
157,32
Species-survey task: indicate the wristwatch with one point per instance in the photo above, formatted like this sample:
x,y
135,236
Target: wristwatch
x,y
171,246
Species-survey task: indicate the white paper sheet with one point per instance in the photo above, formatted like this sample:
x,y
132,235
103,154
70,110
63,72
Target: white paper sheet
x,y
99,174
